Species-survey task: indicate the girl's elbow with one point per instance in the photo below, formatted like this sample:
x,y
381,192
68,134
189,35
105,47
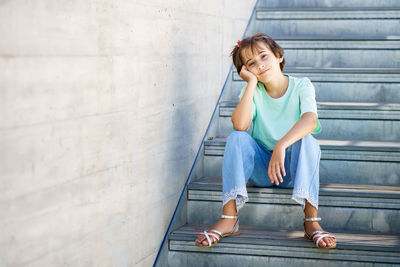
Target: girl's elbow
x,y
314,123
311,117
314,120
240,126
240,123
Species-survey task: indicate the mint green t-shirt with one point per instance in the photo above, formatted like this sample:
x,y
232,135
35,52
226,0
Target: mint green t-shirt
x,y
273,117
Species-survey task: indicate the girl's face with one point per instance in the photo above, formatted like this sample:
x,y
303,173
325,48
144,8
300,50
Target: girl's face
x,y
262,63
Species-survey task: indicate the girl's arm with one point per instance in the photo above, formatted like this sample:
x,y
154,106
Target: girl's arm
x,y
241,116
301,128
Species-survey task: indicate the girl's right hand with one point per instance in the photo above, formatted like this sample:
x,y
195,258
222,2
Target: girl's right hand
x,y
247,75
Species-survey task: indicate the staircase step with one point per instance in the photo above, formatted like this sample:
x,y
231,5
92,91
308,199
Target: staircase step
x,y
345,162
331,21
335,171
352,121
342,206
328,3
332,13
341,51
333,149
339,110
344,42
347,129
341,84
339,91
340,195
356,191
257,246
343,58
353,75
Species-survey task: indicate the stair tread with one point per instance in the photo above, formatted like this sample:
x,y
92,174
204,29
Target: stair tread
x,y
336,144
327,9
343,37
351,190
280,237
341,70
376,44
359,105
338,105
362,145
340,75
336,13
345,70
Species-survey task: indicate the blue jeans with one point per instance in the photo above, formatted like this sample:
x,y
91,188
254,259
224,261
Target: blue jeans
x,y
246,160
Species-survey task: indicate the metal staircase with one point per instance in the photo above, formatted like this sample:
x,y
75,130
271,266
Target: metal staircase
x,y
350,50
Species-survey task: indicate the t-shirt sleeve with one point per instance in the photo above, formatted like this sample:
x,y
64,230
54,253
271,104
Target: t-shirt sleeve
x,y
307,97
253,106
307,101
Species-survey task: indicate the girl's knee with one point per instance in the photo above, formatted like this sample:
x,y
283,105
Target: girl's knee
x,y
238,135
311,140
308,142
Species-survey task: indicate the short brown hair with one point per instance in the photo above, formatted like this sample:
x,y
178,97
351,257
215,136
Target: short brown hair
x,y
251,42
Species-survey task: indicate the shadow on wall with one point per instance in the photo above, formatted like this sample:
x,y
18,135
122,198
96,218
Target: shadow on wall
x,y
183,130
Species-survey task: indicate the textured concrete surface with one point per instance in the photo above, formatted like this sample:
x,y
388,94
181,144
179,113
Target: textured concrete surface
x,y
202,259
290,216
329,3
103,107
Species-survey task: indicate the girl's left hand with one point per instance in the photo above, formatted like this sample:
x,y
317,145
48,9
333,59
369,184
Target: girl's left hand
x,y
277,163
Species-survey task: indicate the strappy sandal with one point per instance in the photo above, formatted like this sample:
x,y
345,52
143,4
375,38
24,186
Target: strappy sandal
x,y
316,236
217,234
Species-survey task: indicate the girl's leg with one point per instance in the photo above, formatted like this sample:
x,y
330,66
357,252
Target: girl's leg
x,y
306,155
311,212
243,158
242,154
304,167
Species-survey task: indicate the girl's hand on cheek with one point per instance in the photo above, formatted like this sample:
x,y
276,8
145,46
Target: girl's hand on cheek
x,y
247,75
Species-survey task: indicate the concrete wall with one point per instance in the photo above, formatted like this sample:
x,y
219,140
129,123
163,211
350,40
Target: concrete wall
x,y
103,107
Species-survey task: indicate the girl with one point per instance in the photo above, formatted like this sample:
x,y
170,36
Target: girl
x,y
281,151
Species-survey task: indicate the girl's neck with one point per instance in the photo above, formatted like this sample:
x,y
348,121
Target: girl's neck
x,y
277,86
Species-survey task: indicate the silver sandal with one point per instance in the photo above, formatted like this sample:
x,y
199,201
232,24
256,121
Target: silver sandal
x,y
217,234
317,236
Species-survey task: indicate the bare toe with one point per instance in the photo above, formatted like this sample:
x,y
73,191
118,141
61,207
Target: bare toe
x,y
200,239
330,242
